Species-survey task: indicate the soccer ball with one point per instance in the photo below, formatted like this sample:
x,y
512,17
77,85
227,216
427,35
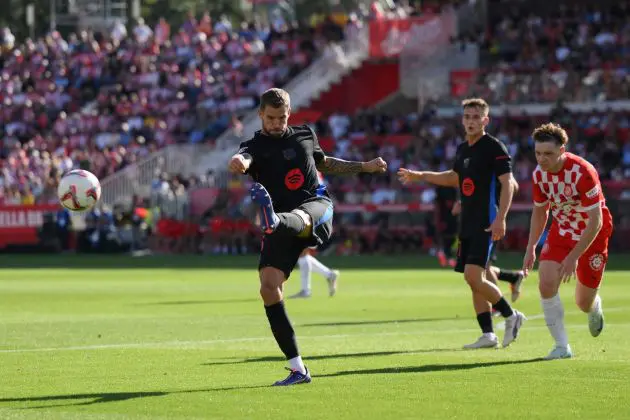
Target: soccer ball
x,y
79,190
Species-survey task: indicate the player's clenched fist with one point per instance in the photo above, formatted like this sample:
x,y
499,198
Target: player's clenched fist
x,y
407,176
377,166
238,164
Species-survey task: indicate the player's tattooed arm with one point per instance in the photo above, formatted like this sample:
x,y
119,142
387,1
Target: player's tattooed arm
x,y
334,166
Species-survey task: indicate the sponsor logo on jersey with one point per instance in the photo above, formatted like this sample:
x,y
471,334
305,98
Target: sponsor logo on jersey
x,y
593,193
468,187
294,179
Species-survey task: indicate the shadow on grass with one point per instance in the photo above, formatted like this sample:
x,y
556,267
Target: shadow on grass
x,y
429,368
378,322
107,397
202,302
330,356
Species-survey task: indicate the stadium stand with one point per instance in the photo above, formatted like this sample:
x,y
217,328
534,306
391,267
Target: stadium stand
x,y
104,102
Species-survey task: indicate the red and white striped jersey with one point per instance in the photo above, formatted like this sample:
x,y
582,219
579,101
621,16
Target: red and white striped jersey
x,y
571,193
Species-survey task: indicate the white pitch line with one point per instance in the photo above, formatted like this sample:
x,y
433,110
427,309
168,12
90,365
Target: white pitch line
x,y
197,344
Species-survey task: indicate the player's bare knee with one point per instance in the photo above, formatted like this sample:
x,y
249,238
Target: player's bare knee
x,y
475,285
474,277
308,223
308,220
584,303
584,297
271,280
547,290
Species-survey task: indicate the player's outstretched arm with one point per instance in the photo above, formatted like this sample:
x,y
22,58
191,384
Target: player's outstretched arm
x,y
443,179
334,166
240,163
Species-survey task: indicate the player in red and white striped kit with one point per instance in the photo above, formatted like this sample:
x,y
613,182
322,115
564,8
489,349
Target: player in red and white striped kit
x,y
577,244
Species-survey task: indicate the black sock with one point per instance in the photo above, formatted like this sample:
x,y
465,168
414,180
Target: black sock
x,y
290,224
485,322
503,307
282,329
509,276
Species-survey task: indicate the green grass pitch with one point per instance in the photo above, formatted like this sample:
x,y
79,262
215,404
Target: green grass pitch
x,y
187,338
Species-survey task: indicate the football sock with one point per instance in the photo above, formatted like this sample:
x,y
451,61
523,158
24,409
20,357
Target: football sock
x,y
297,364
305,272
319,268
596,304
503,307
509,276
282,329
290,224
485,322
554,317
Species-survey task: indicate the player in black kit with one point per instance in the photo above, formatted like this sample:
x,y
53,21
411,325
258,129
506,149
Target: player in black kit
x,y
483,173
295,210
446,224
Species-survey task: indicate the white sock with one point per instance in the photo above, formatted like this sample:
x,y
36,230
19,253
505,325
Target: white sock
x,y
491,335
305,273
319,268
554,317
597,304
297,364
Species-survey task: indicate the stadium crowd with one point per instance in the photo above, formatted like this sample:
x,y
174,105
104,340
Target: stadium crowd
x,y
536,53
100,101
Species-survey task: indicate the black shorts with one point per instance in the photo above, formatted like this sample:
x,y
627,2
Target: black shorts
x,y
475,250
282,252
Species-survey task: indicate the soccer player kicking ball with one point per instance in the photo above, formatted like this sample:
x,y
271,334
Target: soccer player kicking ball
x,y
295,210
483,173
577,242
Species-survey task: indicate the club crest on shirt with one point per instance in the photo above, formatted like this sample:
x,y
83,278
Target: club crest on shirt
x,y
289,154
568,191
596,261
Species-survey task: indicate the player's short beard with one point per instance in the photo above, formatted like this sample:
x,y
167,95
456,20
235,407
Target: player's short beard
x,y
276,134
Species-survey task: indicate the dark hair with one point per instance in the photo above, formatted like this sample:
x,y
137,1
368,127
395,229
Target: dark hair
x,y
275,98
476,103
551,132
